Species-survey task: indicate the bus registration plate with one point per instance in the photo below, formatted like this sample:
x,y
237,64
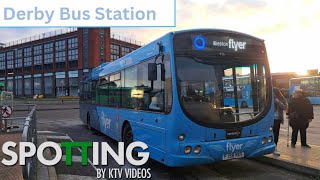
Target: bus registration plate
x,y
233,156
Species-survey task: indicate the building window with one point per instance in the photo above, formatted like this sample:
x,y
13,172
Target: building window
x,y
60,59
10,84
19,86
73,83
10,62
19,53
27,52
37,85
61,56
37,50
27,86
19,65
115,52
73,43
73,55
37,60
48,48
125,50
114,57
9,55
60,45
48,58
48,85
27,62
61,84
73,58
2,61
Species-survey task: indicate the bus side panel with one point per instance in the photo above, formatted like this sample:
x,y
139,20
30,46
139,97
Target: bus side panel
x,y
91,109
84,109
109,122
148,128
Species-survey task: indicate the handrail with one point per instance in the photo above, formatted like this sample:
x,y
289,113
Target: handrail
x,y
29,134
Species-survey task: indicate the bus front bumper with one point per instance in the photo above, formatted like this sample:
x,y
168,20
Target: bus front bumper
x,y
212,152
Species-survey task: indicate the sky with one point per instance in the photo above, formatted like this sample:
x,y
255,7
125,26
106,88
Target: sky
x,y
290,28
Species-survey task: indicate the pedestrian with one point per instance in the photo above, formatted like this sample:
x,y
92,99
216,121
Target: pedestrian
x,y
280,105
300,115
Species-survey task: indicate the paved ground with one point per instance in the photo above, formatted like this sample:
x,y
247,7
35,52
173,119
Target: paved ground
x,y
67,122
303,157
11,172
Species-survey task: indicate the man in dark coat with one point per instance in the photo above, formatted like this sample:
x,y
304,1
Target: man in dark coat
x,y
300,114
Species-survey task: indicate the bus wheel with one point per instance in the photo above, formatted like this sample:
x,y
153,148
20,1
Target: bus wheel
x,y
88,122
244,104
127,136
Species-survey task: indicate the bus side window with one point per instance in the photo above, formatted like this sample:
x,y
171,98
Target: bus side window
x,y
156,101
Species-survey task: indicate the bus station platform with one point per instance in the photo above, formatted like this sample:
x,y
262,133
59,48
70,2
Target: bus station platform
x,y
299,159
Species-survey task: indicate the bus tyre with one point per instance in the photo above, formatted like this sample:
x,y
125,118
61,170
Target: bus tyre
x,y
127,135
244,104
89,122
127,138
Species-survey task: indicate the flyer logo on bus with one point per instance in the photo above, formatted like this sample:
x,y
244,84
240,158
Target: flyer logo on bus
x,y
224,43
231,44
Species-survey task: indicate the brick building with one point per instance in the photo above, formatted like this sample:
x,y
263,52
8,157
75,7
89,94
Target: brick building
x,y
53,63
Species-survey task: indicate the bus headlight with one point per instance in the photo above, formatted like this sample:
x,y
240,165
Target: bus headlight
x,y
264,140
270,139
181,137
271,128
187,149
197,149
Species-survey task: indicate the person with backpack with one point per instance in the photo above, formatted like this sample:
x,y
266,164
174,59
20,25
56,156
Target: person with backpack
x,y
280,105
300,115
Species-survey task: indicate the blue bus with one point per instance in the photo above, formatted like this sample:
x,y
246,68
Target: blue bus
x,y
243,91
310,85
169,95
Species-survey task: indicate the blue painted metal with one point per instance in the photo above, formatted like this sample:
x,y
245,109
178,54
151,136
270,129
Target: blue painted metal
x,y
160,131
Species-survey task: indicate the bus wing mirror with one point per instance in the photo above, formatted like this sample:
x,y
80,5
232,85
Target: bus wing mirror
x,y
163,73
152,71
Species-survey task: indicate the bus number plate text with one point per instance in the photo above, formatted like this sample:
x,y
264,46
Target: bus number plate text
x,y
233,156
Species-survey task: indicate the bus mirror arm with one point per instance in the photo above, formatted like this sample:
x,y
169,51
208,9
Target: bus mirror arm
x,y
152,71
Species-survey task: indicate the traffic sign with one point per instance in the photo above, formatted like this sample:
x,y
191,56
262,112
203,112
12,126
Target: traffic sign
x,y
6,111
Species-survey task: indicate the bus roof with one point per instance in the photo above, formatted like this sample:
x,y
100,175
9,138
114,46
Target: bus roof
x,y
132,58
147,51
218,30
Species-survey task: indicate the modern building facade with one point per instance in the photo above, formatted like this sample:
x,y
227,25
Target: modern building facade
x,y
52,64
